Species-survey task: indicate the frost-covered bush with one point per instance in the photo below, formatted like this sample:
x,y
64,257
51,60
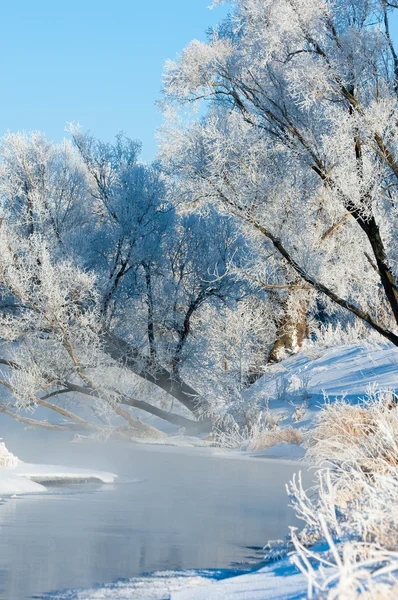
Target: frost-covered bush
x,y
348,548
7,459
265,438
259,436
363,436
329,335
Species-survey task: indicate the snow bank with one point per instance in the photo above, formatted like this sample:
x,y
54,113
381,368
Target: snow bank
x,y
159,586
17,477
295,389
11,484
27,478
281,581
10,481
56,473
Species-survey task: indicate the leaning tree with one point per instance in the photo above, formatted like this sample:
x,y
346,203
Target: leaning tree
x,y
101,285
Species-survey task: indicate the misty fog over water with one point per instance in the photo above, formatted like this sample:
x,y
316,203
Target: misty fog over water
x,y
171,508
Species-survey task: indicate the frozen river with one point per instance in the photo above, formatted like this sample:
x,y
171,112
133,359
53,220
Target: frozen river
x,y
188,510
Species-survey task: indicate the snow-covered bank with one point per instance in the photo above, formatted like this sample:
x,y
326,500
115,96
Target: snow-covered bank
x,y
281,581
306,378
57,473
292,392
18,477
11,483
29,478
158,586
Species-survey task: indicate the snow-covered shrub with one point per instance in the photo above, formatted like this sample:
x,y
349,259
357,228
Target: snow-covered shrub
x,y
7,459
265,438
363,436
338,334
348,571
281,388
348,548
299,411
260,436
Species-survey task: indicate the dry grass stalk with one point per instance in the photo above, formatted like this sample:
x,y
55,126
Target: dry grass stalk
x,y
265,438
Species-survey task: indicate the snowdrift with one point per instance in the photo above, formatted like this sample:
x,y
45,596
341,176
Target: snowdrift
x,y
295,390
18,477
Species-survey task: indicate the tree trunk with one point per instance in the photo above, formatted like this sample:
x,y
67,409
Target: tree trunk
x,y
150,324
386,276
292,327
190,425
123,352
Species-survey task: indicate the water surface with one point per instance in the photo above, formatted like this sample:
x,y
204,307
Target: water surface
x,y
189,510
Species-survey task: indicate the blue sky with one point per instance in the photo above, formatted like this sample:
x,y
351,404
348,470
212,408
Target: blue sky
x,y
96,62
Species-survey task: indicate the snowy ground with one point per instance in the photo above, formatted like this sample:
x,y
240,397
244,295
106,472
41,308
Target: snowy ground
x,y
24,478
282,582
295,389
307,377
55,473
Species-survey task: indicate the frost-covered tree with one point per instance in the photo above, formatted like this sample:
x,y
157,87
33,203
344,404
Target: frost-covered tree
x,y
132,213
159,266
52,344
43,190
104,286
298,140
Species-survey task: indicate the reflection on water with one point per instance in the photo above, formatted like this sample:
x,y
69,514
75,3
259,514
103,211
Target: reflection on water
x,y
188,510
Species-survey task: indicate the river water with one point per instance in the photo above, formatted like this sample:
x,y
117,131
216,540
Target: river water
x,y
170,509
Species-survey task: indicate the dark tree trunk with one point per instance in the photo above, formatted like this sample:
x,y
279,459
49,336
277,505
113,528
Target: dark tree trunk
x,y
386,276
192,427
150,325
123,352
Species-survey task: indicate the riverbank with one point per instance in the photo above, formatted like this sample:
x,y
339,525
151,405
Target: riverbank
x,y
277,582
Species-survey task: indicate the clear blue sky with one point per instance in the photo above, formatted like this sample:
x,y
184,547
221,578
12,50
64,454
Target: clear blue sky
x,y
96,62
